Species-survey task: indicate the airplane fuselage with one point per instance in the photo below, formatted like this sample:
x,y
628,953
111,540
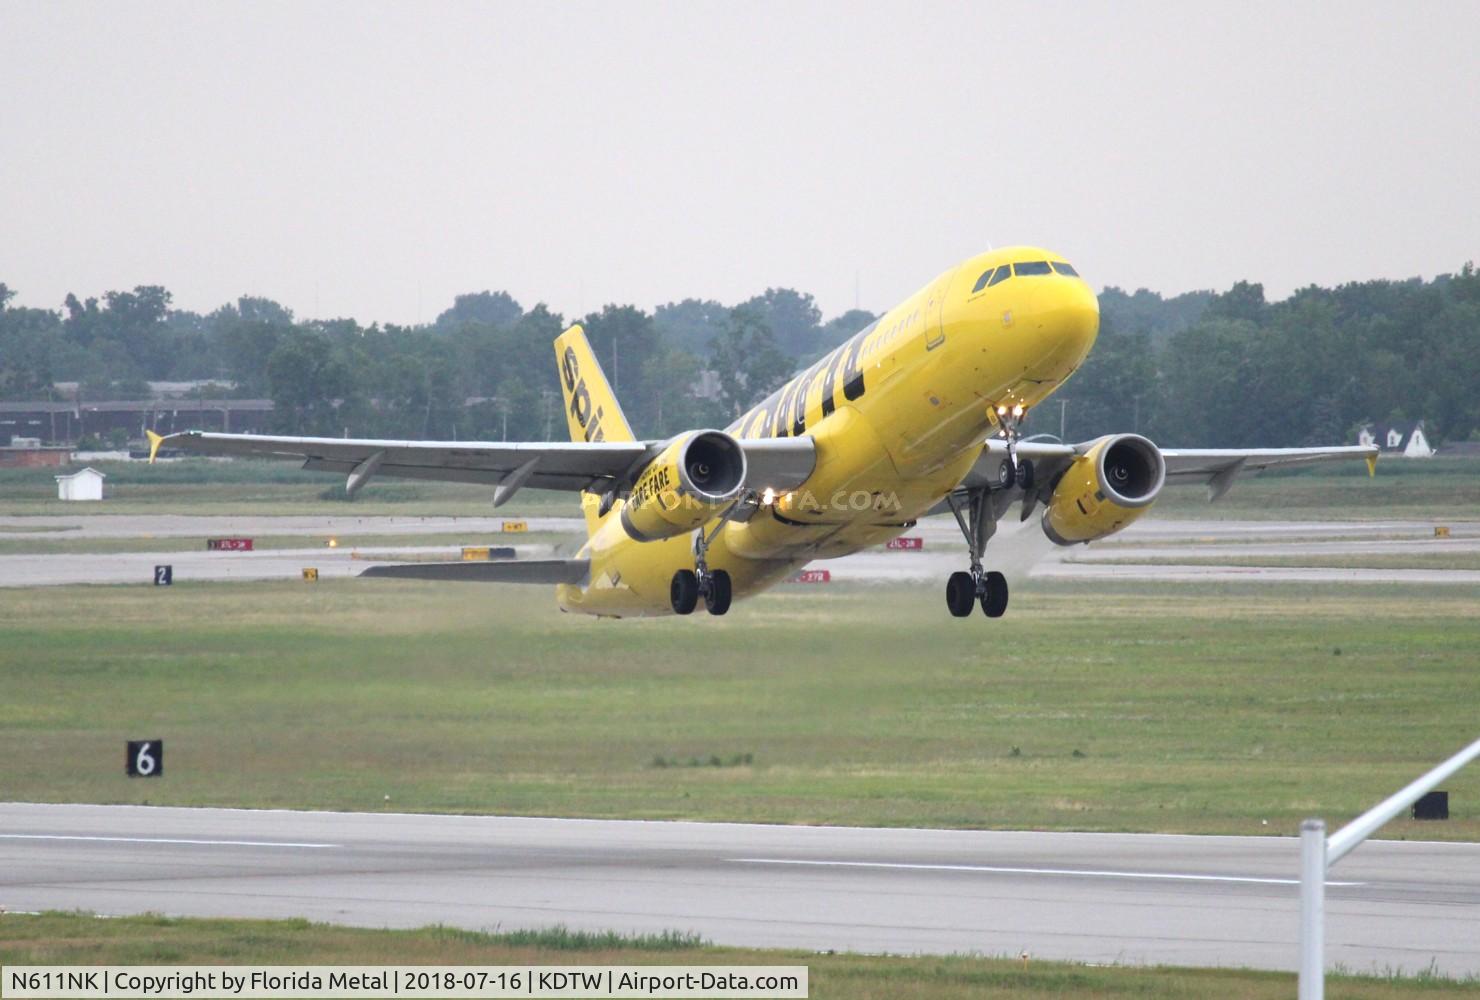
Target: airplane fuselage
x,y
898,414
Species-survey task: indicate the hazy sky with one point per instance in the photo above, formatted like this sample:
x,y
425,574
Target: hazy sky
x,y
374,160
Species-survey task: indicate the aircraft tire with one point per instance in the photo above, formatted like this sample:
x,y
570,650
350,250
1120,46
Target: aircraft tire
x,y
994,598
1006,475
717,601
1025,475
960,593
683,592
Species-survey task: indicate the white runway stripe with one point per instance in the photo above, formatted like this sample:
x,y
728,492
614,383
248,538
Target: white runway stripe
x,y
160,840
995,870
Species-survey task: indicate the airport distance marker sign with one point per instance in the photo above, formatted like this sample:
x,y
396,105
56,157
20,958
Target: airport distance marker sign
x,y
812,576
164,576
145,759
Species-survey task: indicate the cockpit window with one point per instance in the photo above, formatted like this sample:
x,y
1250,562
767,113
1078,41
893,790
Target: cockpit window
x,y
982,281
1065,268
1003,273
1032,267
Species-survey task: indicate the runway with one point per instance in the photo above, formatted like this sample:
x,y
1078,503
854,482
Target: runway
x,y
1183,900
1018,548
102,525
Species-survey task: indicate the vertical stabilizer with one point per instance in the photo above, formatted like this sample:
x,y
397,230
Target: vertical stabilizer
x,y
591,409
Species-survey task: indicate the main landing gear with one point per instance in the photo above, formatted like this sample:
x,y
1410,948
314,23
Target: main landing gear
x,y
978,520
689,585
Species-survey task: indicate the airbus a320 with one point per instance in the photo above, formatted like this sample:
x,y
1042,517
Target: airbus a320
x,y
916,414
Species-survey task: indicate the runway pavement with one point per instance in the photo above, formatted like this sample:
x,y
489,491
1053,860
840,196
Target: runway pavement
x,y
1019,549
102,525
266,564
1207,901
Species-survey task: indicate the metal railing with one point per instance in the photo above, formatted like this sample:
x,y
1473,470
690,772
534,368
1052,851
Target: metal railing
x,y
1319,852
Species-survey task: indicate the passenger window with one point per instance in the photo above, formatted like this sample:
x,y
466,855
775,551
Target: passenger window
x,y
1032,267
982,281
1064,268
1003,273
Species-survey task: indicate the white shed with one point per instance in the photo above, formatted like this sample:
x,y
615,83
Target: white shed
x,y
85,484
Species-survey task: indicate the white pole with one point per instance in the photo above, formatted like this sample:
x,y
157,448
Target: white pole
x,y
1365,825
1312,909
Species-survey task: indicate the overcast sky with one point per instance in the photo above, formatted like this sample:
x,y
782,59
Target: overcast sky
x,y
373,160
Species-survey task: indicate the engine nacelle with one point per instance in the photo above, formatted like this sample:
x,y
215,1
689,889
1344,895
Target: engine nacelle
x,y
1105,489
695,478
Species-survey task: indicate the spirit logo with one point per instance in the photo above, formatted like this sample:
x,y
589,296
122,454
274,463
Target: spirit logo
x,y
580,397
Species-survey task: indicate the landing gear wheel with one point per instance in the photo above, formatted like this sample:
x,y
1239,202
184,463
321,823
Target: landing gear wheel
x,y
960,593
1007,475
683,592
994,594
1025,475
717,595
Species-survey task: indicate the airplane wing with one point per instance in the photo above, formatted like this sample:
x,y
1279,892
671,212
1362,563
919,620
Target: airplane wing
x,y
1216,468
514,571
779,463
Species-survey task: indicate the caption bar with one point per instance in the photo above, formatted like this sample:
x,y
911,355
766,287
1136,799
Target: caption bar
x,y
364,982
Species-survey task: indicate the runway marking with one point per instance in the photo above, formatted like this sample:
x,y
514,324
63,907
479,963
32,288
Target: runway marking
x,y
160,840
996,870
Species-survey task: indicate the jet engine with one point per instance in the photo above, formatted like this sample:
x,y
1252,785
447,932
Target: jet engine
x,y
695,478
1104,489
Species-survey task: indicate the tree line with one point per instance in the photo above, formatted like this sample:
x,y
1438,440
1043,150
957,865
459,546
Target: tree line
x,y
1219,369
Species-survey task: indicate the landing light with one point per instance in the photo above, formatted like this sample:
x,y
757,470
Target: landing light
x,y
1017,411
1001,411
768,496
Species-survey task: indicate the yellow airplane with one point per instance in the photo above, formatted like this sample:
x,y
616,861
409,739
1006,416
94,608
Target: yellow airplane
x,y
917,413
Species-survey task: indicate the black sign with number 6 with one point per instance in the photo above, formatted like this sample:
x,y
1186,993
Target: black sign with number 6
x,y
145,758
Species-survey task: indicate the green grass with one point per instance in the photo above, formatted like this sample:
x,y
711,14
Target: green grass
x,y
1091,707
1359,560
202,486
78,939
1403,488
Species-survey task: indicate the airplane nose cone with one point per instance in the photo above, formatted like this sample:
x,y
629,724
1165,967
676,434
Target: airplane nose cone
x,y
1067,319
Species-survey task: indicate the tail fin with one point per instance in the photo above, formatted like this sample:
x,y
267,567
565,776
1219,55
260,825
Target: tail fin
x,y
591,409
593,412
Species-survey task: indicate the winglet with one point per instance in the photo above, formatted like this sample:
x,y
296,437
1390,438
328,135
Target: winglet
x,y
1372,465
155,440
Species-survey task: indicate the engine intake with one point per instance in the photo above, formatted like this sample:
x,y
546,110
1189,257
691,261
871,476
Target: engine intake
x,y
1105,489
693,480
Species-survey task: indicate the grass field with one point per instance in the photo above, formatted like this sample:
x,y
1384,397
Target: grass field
x,y
200,486
1402,488
1361,560
75,939
1090,707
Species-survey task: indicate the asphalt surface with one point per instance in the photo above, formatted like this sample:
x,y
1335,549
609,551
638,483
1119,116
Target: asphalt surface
x,y
267,564
1019,549
1207,901
103,525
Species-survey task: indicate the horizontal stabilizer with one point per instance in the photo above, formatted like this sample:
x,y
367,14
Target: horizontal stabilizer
x,y
514,571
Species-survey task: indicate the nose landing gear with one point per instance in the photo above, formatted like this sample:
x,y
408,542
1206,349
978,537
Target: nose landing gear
x,y
977,585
